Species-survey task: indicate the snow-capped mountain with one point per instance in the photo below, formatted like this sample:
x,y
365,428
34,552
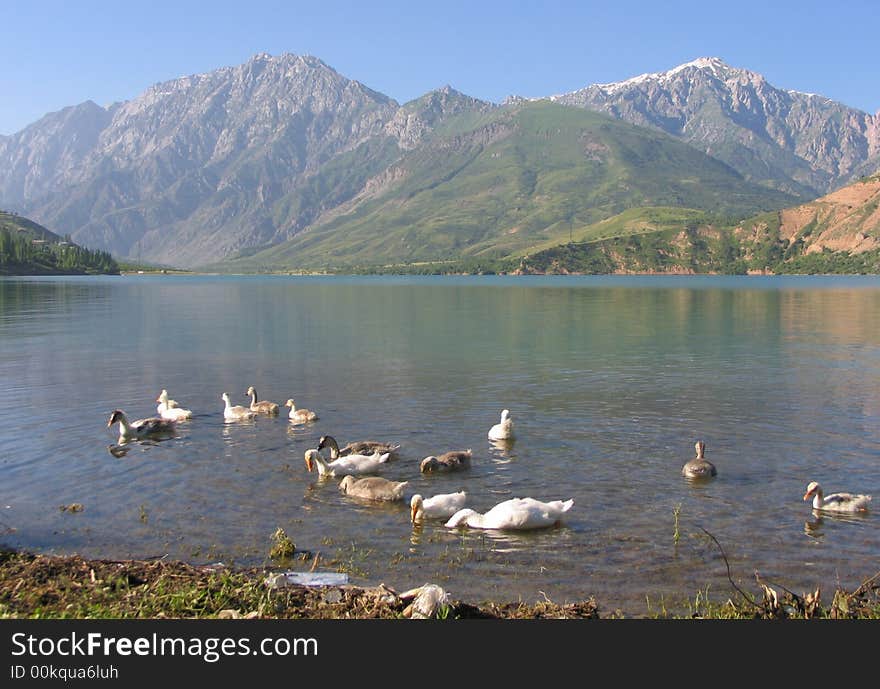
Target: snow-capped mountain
x,y
800,142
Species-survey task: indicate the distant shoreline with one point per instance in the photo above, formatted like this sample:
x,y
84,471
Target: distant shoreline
x,y
5,272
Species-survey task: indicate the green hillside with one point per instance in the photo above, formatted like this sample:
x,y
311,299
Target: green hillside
x,y
499,184
838,233
692,250
27,248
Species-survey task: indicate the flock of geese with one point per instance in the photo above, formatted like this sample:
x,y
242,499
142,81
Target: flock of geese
x,y
352,462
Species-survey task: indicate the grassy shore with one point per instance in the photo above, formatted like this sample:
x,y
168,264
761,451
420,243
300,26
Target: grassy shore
x,y
40,586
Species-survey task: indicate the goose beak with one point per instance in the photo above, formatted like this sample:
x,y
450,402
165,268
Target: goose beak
x,y
309,462
808,495
412,514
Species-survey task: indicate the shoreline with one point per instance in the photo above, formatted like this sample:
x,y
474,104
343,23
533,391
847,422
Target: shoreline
x,y
73,587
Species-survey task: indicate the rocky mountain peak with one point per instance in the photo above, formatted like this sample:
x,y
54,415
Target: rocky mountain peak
x,y
703,67
415,119
804,143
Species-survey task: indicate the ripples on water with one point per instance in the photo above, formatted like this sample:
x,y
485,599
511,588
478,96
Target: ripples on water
x,y
609,382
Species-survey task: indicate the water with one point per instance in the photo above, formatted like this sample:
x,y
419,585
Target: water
x,y
609,381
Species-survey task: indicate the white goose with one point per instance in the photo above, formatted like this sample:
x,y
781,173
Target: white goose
x,y
504,429
299,415
237,412
141,429
261,407
836,502
515,514
168,409
345,466
437,507
373,488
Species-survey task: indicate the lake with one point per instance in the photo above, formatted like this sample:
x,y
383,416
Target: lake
x,y
609,380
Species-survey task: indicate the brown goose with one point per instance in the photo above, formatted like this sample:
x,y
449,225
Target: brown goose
x,y
448,461
263,407
699,467
299,415
359,447
373,488
153,427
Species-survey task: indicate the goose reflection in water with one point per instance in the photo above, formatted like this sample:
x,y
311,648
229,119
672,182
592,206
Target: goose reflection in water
x,y
814,528
118,450
415,537
299,431
530,541
502,450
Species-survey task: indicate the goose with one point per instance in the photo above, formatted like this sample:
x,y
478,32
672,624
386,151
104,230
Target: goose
x,y
299,415
168,409
170,403
504,429
236,413
264,407
153,427
514,514
836,502
344,466
373,488
448,461
437,507
699,467
360,447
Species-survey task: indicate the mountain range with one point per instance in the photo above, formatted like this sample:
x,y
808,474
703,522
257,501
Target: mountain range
x,y
282,162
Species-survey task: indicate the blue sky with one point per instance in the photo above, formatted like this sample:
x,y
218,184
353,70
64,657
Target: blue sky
x,y
55,54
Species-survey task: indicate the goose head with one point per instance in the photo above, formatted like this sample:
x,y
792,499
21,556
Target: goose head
x,y
415,507
289,403
328,441
251,391
700,449
163,397
345,483
429,464
225,397
117,415
311,457
813,488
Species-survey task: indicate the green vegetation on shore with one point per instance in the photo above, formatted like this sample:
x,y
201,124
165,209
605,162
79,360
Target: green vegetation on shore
x,y
696,250
37,586
27,248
